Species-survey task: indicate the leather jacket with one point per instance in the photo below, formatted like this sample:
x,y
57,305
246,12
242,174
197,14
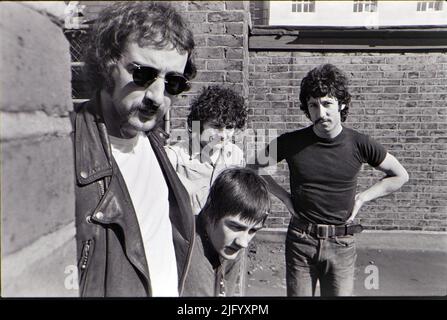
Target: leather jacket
x,y
111,257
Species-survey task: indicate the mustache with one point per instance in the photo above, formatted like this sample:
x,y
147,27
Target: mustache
x,y
147,105
321,120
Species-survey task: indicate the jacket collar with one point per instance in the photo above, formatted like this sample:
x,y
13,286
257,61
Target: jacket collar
x,y
93,153
210,253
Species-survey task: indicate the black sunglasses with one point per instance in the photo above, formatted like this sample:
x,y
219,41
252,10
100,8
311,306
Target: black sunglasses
x,y
175,83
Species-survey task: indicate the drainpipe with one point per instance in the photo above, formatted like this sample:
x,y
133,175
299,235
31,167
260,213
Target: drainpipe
x,y
167,124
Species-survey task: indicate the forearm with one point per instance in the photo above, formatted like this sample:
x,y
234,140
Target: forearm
x,y
396,176
273,187
382,188
276,189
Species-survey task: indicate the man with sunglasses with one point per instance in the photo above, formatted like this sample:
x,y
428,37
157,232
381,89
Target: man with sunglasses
x,y
135,230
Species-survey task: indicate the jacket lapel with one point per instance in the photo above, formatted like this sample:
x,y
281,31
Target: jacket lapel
x,y
91,161
122,213
180,212
183,221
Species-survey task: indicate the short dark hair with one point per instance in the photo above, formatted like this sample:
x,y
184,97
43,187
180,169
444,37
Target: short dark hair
x,y
218,104
146,23
324,80
237,191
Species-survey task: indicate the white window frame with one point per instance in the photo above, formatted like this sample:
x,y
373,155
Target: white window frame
x,y
303,6
365,6
427,6
411,38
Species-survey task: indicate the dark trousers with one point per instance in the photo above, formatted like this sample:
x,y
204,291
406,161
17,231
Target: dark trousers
x,y
308,259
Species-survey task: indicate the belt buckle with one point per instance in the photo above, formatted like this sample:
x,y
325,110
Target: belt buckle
x,y
322,231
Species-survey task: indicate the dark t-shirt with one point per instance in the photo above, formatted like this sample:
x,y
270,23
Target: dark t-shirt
x,y
323,172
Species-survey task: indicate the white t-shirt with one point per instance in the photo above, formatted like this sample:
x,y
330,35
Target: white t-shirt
x,y
149,193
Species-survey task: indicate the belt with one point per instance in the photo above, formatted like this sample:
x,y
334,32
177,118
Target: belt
x,y
323,231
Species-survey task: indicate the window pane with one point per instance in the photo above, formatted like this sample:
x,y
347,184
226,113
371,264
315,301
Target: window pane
x,y
352,13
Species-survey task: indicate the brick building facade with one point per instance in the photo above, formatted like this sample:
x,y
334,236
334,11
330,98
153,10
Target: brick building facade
x,y
399,99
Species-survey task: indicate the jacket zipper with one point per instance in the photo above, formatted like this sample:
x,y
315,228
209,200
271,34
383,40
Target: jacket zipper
x,y
85,255
83,269
101,187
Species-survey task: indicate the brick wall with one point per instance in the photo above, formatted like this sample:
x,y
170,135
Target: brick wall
x,y
221,34
399,99
37,189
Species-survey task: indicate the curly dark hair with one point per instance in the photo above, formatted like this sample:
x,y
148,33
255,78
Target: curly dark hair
x,y
324,80
221,105
147,23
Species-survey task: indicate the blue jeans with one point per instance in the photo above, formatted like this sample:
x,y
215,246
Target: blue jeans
x,y
308,259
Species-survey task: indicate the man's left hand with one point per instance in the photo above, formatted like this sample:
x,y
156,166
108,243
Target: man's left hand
x,y
357,205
